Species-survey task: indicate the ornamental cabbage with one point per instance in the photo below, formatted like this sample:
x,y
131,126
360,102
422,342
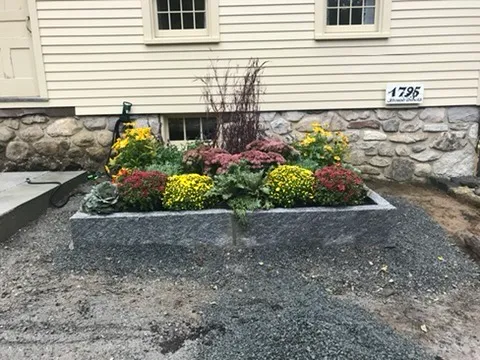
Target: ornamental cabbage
x,y
102,199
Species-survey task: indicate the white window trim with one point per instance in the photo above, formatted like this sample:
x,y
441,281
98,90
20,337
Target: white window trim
x,y
154,36
381,29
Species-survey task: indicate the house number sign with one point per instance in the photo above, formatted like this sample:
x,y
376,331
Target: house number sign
x,y
409,93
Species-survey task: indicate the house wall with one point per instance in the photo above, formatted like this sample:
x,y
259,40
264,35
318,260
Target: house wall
x,y
400,145
95,56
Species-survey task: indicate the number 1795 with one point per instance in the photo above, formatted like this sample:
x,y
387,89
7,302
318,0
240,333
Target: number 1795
x,y
405,92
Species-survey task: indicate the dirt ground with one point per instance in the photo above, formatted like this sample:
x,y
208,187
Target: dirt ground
x,y
451,214
453,320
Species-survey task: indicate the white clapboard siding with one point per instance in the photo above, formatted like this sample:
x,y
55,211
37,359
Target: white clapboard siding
x,y
95,56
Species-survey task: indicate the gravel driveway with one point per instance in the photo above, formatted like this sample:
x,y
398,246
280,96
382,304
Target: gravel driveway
x,y
163,302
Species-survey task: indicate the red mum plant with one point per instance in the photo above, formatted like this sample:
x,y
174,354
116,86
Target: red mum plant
x,y
336,185
275,146
142,190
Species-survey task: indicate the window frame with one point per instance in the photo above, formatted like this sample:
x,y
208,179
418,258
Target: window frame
x,y
166,130
381,28
153,35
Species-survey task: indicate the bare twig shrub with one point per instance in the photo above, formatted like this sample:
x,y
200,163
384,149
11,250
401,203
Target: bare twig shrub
x,y
234,100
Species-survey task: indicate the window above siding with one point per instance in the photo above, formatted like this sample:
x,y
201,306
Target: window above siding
x,y
351,19
180,21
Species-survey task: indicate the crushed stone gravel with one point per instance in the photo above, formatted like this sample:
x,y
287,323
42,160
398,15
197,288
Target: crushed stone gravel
x,y
268,303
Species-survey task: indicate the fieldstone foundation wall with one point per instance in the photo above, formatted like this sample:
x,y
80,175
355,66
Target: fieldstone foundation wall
x,y
38,142
401,145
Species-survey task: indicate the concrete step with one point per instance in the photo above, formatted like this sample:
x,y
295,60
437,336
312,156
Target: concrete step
x,y
21,203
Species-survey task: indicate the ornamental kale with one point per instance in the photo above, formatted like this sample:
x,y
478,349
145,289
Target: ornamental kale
x,y
102,199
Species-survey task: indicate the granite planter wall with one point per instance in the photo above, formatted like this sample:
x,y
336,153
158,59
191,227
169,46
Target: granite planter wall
x,y
402,145
321,225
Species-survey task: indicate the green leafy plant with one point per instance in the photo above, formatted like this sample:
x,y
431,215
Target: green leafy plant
x,y
187,192
141,190
167,168
290,185
168,154
102,199
241,189
336,185
309,164
168,160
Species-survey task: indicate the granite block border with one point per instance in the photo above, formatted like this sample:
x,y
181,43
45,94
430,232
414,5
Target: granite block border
x,y
321,225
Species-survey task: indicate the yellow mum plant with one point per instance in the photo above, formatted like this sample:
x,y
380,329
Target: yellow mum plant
x,y
135,149
322,147
290,185
187,192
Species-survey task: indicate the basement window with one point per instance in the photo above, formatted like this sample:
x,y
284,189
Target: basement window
x,y
350,19
189,129
180,21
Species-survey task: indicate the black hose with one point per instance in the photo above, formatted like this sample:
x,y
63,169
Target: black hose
x,y
55,191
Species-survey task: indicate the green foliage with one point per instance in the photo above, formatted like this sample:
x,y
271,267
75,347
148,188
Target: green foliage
x,y
167,168
290,185
187,192
102,199
168,154
168,160
241,189
309,164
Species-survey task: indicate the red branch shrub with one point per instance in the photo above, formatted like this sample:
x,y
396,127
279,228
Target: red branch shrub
x,y
336,185
233,99
142,190
275,146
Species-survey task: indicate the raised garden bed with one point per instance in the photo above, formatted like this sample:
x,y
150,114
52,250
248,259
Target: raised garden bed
x,y
319,225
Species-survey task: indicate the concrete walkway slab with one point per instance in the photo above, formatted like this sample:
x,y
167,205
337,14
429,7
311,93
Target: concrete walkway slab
x,y
21,202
